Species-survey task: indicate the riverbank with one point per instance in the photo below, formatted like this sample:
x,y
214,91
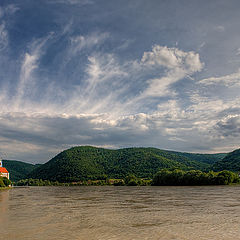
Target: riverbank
x,y
5,188
165,177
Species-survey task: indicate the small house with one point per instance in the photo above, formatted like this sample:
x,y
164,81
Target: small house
x,y
3,171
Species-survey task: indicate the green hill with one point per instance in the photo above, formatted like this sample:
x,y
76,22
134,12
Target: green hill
x,y
86,162
230,162
17,169
204,158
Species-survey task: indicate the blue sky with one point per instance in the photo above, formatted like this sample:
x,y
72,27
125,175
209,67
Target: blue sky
x,y
118,74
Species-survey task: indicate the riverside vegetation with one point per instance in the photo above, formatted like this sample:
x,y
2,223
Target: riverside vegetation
x,y
164,177
88,165
4,182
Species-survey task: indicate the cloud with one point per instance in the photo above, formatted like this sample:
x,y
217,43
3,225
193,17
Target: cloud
x,y
11,9
220,28
78,48
5,13
230,80
172,58
92,96
8,10
238,52
25,87
28,66
229,126
1,12
3,36
72,2
200,126
179,64
80,42
105,72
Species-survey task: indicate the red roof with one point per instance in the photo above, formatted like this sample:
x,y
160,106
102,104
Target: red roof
x,y
3,170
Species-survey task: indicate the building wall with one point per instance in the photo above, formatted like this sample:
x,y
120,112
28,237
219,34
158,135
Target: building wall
x,y
4,175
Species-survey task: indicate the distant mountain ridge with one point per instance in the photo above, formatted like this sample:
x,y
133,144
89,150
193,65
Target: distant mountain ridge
x,y
87,162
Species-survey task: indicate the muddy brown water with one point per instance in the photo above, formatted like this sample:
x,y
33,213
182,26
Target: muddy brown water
x,y
107,212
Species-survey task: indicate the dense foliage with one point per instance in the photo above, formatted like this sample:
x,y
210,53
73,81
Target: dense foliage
x,y
4,182
204,158
35,182
18,170
231,162
194,177
84,163
130,180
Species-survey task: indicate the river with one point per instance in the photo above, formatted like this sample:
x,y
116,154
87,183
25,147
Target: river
x,y
107,212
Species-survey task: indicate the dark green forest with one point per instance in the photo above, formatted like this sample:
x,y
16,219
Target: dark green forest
x,y
86,162
230,162
194,177
18,170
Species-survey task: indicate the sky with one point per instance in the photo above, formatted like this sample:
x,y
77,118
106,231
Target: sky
x,y
114,74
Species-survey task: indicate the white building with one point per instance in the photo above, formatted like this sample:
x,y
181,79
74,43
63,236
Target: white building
x,y
3,171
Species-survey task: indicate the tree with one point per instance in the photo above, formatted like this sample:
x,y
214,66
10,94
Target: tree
x,y
131,180
2,183
226,177
6,182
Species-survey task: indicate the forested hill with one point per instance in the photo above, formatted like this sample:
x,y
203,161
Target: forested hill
x,y
17,169
230,162
200,157
86,162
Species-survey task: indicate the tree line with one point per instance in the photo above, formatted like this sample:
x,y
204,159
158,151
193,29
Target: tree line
x,y
167,177
194,177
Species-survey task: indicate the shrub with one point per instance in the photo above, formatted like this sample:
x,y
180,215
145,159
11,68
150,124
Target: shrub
x,y
1,182
6,181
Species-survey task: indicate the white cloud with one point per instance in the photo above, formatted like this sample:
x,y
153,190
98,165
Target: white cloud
x,y
162,56
172,58
25,87
79,45
80,42
160,86
230,80
179,65
112,105
29,64
101,85
4,12
103,68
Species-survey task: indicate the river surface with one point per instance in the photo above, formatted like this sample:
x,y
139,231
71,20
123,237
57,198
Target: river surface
x,y
85,213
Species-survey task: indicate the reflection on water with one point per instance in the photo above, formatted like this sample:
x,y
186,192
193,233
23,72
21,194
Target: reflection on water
x,y
85,213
